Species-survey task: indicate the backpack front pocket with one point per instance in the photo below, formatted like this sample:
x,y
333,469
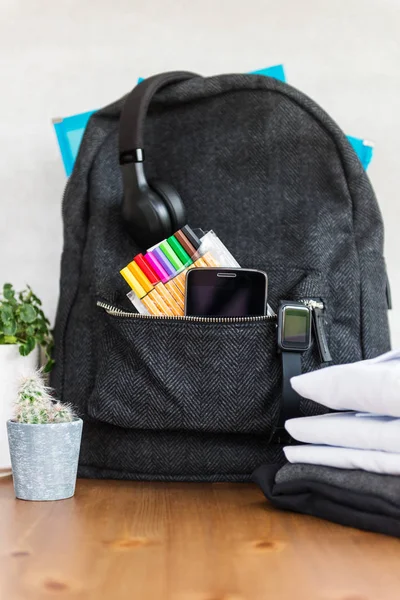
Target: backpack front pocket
x,y
213,375
187,374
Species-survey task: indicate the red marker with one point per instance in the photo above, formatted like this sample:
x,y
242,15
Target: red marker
x,y
147,270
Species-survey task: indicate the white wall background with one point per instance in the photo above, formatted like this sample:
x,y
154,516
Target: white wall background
x,y
60,57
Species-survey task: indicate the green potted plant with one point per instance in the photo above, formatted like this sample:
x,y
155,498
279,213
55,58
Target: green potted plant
x,y
24,329
44,438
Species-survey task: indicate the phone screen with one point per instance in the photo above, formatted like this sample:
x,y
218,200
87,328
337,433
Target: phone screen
x,y
226,293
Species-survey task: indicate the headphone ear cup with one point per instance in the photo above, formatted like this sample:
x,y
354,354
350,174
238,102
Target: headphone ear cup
x,y
147,218
173,203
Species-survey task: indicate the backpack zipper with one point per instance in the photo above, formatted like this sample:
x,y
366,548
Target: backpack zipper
x,y
117,312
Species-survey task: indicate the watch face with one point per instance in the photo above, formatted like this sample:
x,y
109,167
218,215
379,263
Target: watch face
x,y
295,332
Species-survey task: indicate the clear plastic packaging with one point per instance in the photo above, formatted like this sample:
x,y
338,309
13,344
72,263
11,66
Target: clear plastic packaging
x,y
210,243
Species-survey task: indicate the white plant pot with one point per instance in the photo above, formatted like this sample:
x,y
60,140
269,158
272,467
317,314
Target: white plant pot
x,y
13,367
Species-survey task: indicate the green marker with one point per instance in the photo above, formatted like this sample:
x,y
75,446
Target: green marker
x,y
180,251
171,256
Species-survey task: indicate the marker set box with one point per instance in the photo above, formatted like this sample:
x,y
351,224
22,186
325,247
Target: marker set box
x,y
158,278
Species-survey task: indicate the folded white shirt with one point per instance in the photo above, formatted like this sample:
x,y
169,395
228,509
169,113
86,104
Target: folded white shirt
x,y
349,429
375,461
366,386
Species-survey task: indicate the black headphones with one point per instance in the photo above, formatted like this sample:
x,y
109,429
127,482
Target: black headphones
x,y
151,211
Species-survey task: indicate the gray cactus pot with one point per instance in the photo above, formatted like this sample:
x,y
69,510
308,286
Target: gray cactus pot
x,y
44,459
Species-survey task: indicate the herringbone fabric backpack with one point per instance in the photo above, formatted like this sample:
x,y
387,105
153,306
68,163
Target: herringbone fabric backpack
x,y
271,173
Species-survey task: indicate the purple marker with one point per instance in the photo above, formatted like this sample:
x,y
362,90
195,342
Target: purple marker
x,y
163,260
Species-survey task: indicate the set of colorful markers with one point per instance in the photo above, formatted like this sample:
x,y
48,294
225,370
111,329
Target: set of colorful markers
x,y
157,279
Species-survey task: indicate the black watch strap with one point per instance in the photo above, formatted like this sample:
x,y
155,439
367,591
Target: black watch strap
x,y
291,366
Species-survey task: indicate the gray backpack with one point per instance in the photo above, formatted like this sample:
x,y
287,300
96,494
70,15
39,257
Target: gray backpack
x,y
276,179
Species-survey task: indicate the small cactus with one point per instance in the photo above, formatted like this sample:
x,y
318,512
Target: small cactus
x,y
36,406
61,413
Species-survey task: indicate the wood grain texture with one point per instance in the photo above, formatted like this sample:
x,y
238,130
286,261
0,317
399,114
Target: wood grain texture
x,y
121,540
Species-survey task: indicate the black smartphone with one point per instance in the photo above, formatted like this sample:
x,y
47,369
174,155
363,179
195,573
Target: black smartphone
x,y
222,292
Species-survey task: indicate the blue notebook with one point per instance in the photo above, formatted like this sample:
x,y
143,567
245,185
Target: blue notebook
x,y
70,130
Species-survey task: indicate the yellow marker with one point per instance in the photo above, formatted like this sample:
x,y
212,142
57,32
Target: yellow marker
x,y
154,303
133,282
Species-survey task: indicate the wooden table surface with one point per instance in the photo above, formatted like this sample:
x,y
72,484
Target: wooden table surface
x,y
124,540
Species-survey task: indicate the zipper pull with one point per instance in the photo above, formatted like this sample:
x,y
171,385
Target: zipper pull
x,y
388,294
318,317
320,333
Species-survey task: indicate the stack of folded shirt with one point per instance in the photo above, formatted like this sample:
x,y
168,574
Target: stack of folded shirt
x,y
346,469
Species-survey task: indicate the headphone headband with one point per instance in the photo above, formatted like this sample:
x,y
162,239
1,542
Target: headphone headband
x,y
133,115
151,211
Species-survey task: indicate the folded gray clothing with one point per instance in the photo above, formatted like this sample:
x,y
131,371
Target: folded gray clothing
x,y
353,498
386,487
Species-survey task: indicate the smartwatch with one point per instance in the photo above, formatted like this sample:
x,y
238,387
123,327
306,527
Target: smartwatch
x,y
294,338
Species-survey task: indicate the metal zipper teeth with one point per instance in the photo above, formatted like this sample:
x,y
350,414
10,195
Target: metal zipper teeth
x,y
117,312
